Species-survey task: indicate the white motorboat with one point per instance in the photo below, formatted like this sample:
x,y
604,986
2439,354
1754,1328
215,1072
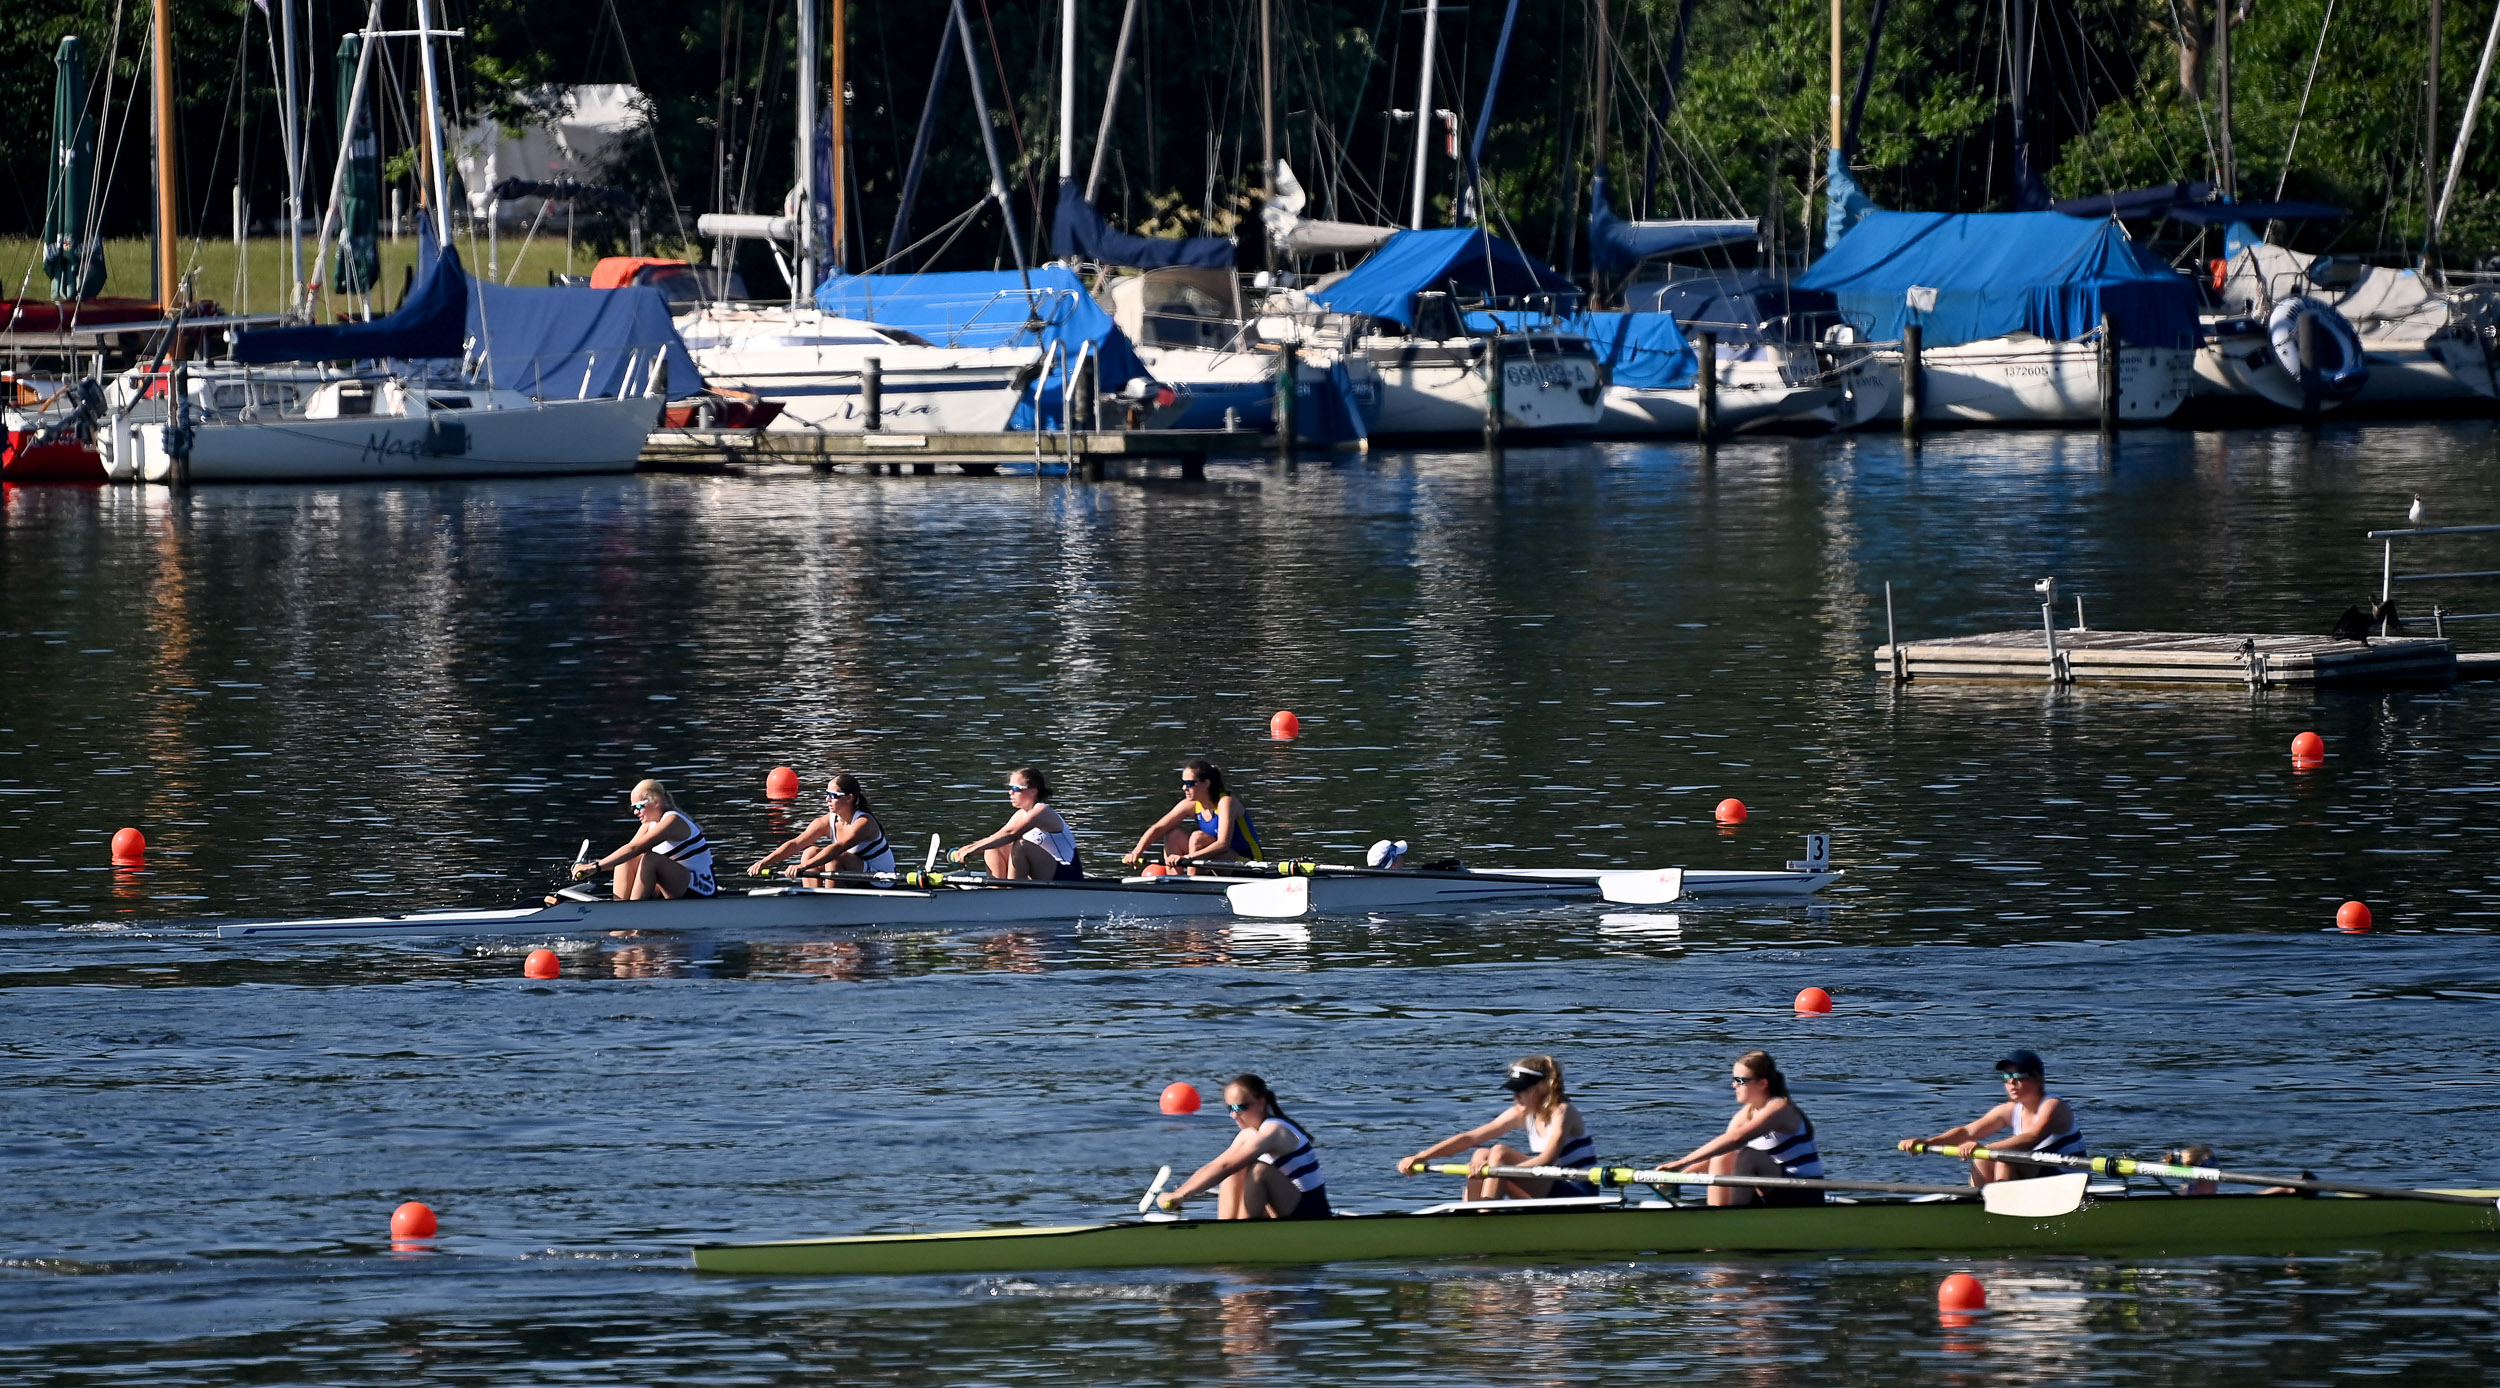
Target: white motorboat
x,y
2419,345
816,365
954,900
302,425
1218,368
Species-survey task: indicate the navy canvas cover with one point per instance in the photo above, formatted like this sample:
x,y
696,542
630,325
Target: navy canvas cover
x,y
1963,277
1080,233
1616,245
1458,259
995,308
1639,349
431,322
567,343
1744,310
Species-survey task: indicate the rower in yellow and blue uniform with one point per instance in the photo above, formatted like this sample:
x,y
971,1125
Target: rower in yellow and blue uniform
x,y
1208,825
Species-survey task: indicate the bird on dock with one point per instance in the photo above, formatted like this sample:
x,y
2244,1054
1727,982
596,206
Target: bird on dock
x,y
2413,513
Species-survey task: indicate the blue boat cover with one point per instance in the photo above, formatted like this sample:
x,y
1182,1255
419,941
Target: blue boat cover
x,y
568,343
1080,233
1639,349
1845,204
2220,213
1454,258
993,308
1616,245
1967,276
431,322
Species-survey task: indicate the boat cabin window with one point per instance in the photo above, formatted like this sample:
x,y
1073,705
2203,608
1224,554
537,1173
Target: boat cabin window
x,y
339,400
1184,315
448,402
1436,318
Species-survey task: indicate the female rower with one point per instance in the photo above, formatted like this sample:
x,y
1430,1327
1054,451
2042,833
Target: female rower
x,y
667,857
2033,1120
1556,1137
1269,1171
1034,842
1208,824
847,837
1769,1136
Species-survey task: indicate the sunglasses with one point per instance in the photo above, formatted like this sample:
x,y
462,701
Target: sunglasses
x,y
2009,1076
1018,790
1239,1107
1188,781
639,806
837,795
1740,1081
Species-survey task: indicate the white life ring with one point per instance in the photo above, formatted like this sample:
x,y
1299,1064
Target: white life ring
x,y
2341,369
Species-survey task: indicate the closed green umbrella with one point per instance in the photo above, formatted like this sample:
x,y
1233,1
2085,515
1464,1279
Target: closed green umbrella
x,y
359,265
73,259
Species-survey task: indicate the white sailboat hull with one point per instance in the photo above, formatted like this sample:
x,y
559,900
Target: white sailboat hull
x,y
2030,380
545,438
1440,389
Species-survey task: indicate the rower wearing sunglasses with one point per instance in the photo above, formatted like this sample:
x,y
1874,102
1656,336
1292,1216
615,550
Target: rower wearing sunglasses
x,y
667,857
1035,842
1270,1170
847,837
1208,825
1769,1136
2033,1119
1556,1137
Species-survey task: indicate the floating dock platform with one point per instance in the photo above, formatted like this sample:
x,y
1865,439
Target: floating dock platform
x,y
1089,453
2174,657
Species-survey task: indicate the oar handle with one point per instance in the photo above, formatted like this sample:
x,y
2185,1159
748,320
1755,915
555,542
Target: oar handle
x,y
2130,1166
1659,1176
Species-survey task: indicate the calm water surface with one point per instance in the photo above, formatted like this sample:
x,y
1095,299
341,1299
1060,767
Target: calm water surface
x,y
317,700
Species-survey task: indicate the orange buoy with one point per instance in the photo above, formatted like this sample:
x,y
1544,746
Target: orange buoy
x,y
130,847
781,783
1285,726
1180,1096
2353,918
1814,1000
2308,747
1961,1292
412,1220
542,963
1731,811
1157,870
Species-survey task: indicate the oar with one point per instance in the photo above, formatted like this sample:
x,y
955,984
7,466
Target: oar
x,y
929,864
2041,1199
1653,887
2129,1166
1148,1201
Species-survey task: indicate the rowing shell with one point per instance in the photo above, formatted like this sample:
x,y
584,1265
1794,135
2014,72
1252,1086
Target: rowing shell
x,y
838,908
2149,1225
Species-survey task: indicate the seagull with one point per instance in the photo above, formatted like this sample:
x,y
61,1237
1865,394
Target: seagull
x,y
2414,514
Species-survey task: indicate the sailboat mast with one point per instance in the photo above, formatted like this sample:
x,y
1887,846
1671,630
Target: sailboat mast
x,y
291,137
1067,90
166,242
803,276
837,111
1423,107
439,192
1836,122
2430,146
1605,55
2227,174
1267,97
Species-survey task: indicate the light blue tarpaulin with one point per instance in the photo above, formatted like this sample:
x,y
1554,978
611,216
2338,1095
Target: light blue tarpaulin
x,y
1845,204
1616,245
987,308
1455,259
1967,276
569,343
1639,349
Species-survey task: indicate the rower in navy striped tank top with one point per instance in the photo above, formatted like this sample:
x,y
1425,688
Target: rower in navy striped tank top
x,y
847,837
1770,1136
1270,1171
1557,1136
668,856
2032,1119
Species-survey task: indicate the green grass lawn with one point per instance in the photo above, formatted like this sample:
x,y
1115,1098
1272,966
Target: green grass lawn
x,y
127,262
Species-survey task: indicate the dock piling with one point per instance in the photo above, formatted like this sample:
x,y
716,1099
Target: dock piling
x,y
1286,425
872,393
2109,372
1493,383
2305,337
1706,382
1913,382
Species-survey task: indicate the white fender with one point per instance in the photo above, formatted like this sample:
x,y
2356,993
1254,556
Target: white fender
x,y
2343,372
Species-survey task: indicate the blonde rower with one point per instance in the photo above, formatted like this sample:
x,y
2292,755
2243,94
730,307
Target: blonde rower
x,y
847,837
667,857
1769,1136
1556,1137
1034,842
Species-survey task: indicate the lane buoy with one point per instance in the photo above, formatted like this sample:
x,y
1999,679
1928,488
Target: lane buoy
x,y
1180,1096
130,847
1814,1000
2308,747
541,963
781,783
1157,870
1731,811
2353,918
1285,726
1961,1292
412,1220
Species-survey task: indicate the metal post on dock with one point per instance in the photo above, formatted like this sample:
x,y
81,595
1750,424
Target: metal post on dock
x,y
2109,372
1089,400
1913,382
872,393
2305,338
1494,405
1706,387
1892,640
2047,589
1286,426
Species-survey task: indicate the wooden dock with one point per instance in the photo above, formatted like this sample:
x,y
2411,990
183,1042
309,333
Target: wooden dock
x,y
2173,657
1124,452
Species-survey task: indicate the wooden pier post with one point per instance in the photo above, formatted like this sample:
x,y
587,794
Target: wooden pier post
x,y
1913,382
1706,387
872,392
2109,372
1286,386
1493,390
2305,342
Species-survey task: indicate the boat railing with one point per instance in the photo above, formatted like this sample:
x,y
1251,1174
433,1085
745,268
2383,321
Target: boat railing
x,y
2389,578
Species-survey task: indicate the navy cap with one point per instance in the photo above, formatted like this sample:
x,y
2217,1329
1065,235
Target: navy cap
x,y
2021,1063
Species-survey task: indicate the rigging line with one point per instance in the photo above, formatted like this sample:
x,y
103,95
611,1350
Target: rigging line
x,y
767,84
217,153
952,225
2293,144
650,122
1007,103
